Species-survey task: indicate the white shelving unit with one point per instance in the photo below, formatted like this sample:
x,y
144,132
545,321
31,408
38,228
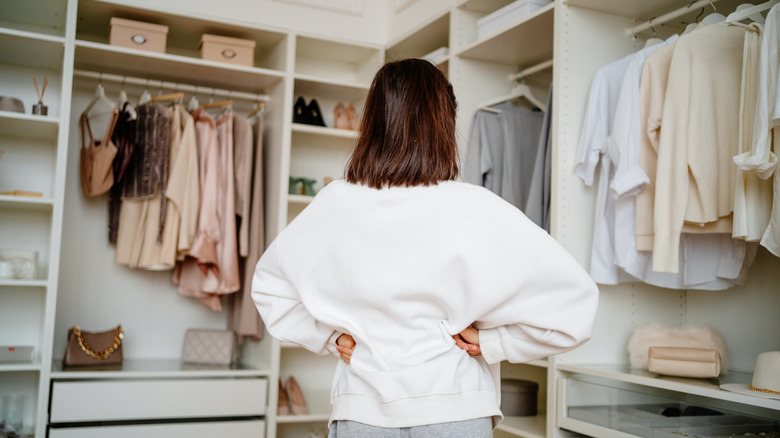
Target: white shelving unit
x,y
53,37
33,42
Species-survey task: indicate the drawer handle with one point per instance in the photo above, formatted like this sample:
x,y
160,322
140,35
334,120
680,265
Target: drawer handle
x,y
138,39
229,53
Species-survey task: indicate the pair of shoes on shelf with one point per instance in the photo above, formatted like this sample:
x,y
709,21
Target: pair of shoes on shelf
x,y
302,186
291,399
308,114
346,117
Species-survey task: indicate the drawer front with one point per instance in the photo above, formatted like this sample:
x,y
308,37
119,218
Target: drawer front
x,y
233,429
76,401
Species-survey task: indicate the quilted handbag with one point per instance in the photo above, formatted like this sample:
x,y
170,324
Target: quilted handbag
x,y
212,347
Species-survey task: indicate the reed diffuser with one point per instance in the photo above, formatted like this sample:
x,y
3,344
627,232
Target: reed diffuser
x,y
39,108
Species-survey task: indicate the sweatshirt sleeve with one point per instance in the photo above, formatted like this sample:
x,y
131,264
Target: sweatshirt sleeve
x,y
283,313
552,312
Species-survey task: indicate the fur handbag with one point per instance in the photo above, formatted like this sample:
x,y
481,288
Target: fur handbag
x,y
685,337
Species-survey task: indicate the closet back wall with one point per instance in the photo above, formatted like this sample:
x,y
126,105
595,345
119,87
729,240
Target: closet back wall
x,y
152,312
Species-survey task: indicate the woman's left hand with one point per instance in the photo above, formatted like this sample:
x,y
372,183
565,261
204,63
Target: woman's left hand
x,y
345,345
468,340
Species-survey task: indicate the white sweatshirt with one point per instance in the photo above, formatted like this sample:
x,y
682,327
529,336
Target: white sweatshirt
x,y
403,269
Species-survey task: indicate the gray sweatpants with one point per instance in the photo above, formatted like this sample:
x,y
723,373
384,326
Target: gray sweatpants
x,y
476,428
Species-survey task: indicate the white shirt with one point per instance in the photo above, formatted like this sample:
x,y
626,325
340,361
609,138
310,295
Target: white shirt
x,y
403,269
592,151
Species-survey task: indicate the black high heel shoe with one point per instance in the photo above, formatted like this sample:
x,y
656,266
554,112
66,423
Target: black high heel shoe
x,y
314,113
301,112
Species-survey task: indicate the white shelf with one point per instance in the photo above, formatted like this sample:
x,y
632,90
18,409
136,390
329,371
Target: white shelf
x,y
533,35
156,368
541,363
20,366
24,283
26,203
299,199
105,58
16,47
423,40
28,125
703,387
526,427
40,16
324,131
324,88
311,418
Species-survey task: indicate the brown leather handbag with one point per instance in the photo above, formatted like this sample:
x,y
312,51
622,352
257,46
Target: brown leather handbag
x,y
88,348
97,158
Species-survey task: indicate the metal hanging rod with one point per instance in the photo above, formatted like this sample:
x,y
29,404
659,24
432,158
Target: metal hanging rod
x,y
152,83
533,69
668,16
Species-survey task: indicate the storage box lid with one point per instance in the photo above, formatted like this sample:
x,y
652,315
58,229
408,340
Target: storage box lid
x,y
139,24
226,40
518,385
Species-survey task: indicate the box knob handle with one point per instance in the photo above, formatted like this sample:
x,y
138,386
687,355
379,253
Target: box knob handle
x,y
138,39
229,53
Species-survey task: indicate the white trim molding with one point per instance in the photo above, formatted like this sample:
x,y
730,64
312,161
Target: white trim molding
x,y
353,7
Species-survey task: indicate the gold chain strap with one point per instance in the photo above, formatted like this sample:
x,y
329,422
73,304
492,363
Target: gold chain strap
x,y
769,391
102,354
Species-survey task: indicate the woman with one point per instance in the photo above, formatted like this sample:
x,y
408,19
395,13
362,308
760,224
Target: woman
x,y
427,283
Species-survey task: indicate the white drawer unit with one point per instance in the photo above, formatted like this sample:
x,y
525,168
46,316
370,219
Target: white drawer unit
x,y
233,429
77,401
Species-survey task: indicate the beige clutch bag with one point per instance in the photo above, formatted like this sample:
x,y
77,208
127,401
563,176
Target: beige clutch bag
x,y
212,347
684,362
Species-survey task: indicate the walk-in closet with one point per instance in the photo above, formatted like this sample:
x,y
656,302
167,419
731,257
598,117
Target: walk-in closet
x,y
151,151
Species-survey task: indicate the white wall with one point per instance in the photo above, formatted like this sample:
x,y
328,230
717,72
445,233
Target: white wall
x,y
404,16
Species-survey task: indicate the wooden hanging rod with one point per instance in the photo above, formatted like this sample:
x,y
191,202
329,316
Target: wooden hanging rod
x,y
152,83
669,16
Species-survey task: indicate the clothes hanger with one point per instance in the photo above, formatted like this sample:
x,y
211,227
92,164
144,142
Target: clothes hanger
x,y
748,11
145,96
168,97
520,92
129,109
194,104
714,17
100,98
654,40
259,107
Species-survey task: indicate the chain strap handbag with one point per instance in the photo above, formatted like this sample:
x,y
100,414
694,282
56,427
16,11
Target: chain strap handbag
x,y
210,347
93,348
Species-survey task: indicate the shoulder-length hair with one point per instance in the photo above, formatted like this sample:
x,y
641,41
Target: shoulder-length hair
x,y
407,132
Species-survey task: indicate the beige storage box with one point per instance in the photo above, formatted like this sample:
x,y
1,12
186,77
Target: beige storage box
x,y
138,35
226,49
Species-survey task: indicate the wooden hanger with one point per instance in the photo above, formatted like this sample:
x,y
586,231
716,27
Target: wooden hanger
x,y
217,104
258,108
167,97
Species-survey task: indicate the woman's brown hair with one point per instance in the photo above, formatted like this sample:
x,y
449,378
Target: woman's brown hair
x,y
407,132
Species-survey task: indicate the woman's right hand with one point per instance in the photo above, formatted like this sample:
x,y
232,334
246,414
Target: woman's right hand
x,y
345,344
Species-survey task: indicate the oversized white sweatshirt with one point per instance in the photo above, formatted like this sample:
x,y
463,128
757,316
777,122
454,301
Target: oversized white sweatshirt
x,y
403,269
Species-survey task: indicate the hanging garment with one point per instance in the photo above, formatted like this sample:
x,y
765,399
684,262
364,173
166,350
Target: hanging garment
x,y
142,221
190,273
161,255
243,317
184,182
771,238
703,271
226,279
505,145
242,162
537,207
484,147
592,154
124,137
699,137
96,158
753,195
147,170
